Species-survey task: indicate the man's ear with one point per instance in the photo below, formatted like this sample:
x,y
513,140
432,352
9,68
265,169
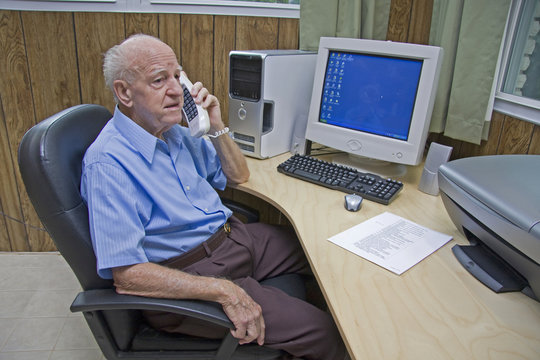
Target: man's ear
x,y
123,92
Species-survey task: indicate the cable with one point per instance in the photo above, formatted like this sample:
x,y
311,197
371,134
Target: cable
x,y
22,222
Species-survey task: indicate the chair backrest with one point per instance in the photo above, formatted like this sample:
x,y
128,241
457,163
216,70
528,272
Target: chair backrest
x,y
50,160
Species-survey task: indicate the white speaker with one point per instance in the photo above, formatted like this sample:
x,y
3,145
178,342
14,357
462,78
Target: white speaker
x,y
437,155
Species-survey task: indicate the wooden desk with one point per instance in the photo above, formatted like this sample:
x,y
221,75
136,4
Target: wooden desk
x,y
435,310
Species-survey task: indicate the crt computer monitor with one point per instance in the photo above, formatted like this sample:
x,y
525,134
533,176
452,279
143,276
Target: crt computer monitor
x,y
373,99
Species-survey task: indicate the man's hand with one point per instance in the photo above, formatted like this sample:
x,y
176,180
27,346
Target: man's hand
x,y
202,97
245,314
232,160
153,280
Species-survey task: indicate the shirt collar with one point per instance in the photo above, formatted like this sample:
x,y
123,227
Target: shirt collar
x,y
140,139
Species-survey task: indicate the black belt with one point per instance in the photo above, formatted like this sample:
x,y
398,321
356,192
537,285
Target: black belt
x,y
199,252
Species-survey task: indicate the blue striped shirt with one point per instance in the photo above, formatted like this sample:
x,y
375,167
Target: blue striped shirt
x,y
149,199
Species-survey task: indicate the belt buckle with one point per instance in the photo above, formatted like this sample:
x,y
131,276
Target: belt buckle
x,y
227,227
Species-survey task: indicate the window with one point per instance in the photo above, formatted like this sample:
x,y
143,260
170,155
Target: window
x,y
273,1
518,88
271,8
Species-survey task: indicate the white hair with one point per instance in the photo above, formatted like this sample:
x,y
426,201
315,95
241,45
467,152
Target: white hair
x,y
118,63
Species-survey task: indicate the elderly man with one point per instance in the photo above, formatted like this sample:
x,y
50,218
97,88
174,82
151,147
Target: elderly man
x,y
153,211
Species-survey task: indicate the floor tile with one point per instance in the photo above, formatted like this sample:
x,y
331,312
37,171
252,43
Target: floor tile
x,y
6,328
59,279
42,259
36,290
23,278
76,335
76,355
25,355
45,303
14,302
34,334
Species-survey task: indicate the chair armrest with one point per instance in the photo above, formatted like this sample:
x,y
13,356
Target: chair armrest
x,y
250,214
108,299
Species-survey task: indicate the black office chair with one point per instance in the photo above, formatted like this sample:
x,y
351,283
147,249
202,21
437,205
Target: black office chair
x,y
50,159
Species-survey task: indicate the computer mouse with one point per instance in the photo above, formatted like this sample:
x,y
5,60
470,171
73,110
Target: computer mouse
x,y
353,202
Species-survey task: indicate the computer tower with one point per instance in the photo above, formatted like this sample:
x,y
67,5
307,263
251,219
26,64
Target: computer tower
x,y
269,97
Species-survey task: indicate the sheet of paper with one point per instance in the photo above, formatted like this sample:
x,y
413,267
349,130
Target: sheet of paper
x,y
391,241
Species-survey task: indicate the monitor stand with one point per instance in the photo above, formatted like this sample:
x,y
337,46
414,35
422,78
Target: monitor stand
x,y
385,169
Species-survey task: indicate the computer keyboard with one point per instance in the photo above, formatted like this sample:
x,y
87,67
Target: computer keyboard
x,y
338,177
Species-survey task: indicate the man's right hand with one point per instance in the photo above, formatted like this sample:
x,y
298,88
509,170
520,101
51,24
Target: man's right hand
x,y
153,280
244,313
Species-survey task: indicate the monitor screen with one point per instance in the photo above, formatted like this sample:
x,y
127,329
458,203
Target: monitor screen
x,y
370,93
374,98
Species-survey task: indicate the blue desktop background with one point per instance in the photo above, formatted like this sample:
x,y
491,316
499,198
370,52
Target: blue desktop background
x,y
370,93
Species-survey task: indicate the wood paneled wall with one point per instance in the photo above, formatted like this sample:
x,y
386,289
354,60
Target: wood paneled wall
x,y
52,60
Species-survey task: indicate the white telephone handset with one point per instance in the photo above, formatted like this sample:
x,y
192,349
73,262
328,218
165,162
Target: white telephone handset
x,y
196,117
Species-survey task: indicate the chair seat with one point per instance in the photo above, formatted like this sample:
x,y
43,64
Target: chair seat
x,y
149,339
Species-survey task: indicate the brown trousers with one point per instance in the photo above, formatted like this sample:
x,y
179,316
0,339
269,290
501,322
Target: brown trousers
x,y
251,253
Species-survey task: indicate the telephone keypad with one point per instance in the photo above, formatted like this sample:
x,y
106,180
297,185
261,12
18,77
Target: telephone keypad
x,y
190,108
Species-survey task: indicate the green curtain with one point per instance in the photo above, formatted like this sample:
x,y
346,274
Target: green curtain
x,y
366,19
470,32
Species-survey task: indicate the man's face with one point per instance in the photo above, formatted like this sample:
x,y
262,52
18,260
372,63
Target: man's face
x,y
156,96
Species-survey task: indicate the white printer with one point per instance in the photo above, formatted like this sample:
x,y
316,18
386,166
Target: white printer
x,y
495,202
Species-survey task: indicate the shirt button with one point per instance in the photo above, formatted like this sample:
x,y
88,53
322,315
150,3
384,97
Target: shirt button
x,y
188,188
206,209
